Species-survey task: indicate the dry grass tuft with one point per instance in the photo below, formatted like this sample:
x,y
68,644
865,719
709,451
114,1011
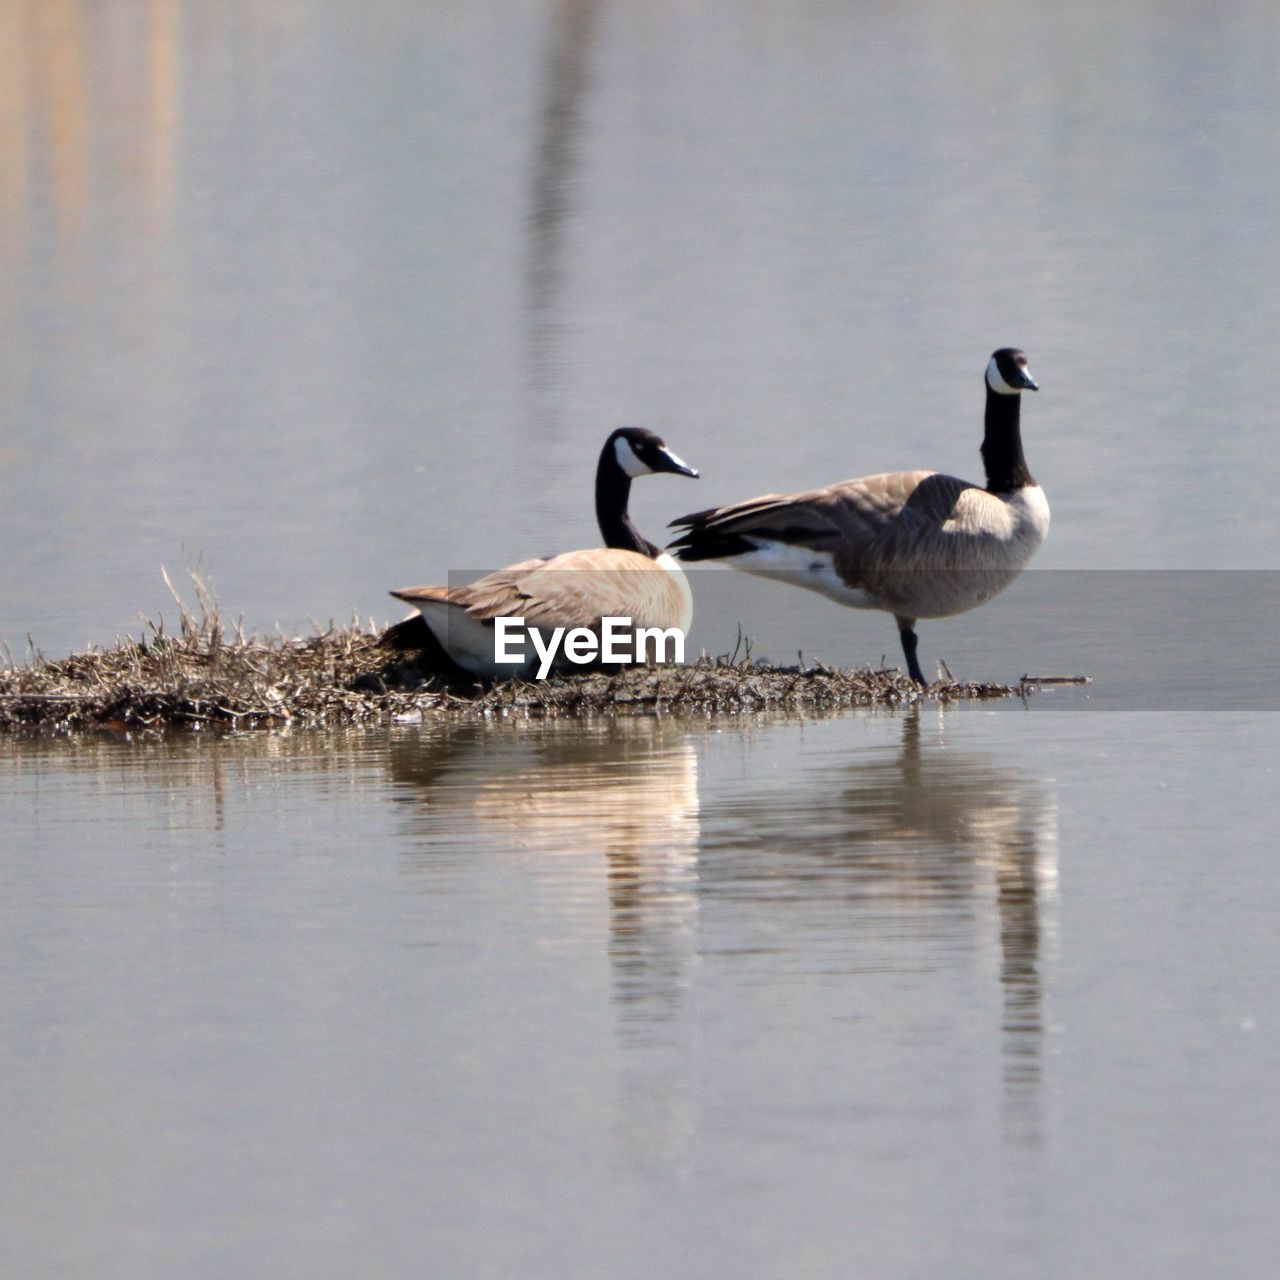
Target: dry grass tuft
x,y
210,675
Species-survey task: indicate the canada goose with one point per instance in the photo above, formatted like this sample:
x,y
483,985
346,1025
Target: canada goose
x,y
628,577
914,543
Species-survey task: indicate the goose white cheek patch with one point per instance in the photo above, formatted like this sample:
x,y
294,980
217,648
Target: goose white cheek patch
x,y
995,380
627,459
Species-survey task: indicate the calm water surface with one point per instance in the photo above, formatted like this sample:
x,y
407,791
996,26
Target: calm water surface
x,y
333,298
982,992
288,289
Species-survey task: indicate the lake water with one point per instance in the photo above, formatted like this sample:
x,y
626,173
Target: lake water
x,y
327,299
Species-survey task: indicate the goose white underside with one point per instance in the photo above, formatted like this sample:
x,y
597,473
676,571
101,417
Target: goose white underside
x,y
938,591
469,641
802,567
667,562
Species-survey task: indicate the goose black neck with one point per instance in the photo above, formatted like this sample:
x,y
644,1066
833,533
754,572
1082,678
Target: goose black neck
x,y
613,489
1002,445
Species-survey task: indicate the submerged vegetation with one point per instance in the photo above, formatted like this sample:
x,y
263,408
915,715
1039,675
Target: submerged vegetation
x,y
205,675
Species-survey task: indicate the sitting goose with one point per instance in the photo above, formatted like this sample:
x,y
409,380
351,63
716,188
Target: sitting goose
x,y
628,577
914,543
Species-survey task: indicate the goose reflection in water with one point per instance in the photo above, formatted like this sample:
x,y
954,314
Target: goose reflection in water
x,y
605,815
941,848
902,859
625,788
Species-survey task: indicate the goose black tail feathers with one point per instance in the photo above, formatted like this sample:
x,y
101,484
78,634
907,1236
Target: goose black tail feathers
x,y
699,539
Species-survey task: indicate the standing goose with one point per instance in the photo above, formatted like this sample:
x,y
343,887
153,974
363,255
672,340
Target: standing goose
x,y
914,543
628,577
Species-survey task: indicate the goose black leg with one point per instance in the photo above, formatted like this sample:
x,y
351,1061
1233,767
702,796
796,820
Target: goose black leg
x,y
910,641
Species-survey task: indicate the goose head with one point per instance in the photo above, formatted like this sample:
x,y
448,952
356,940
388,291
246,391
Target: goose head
x,y
638,452
1007,373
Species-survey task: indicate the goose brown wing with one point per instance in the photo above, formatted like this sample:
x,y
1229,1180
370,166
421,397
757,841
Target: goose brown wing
x,y
575,589
840,518
481,596
724,532
901,522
